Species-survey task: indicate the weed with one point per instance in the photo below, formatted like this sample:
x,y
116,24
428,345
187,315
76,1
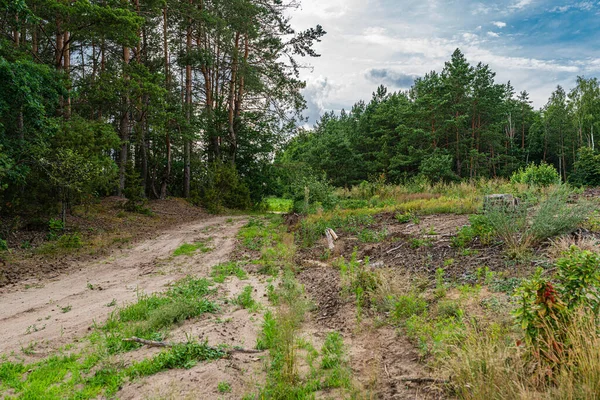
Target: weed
x,y
440,284
371,236
70,241
222,271
416,243
404,307
245,299
65,309
188,249
184,355
224,387
266,339
112,303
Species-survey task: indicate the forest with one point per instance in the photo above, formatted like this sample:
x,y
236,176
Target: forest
x,y
145,99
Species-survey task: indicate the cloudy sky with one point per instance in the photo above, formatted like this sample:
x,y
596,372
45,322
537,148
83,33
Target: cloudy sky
x,y
536,44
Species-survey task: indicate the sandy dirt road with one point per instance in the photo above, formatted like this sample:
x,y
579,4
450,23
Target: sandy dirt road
x,y
61,310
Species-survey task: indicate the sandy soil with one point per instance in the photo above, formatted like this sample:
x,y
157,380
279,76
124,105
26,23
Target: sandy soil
x,y
37,314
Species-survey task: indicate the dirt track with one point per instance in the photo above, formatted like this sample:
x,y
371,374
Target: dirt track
x,y
59,311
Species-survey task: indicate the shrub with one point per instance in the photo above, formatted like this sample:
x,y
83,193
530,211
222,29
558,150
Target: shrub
x,y
70,241
537,175
479,228
404,307
545,304
586,171
312,190
221,188
3,245
554,216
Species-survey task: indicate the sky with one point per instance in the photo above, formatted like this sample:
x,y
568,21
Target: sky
x,y
535,44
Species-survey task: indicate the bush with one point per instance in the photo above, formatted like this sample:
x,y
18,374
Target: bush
x,y
479,228
545,305
3,245
312,190
553,216
586,169
537,175
70,241
221,188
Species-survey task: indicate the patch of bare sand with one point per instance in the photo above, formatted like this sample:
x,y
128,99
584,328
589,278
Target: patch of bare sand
x,y
61,310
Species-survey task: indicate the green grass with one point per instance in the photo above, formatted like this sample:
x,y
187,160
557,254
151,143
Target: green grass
x,y
188,249
89,374
222,271
224,387
279,205
152,315
183,356
245,299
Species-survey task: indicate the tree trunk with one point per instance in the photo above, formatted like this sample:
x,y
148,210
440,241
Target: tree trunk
x,y
188,112
167,172
124,128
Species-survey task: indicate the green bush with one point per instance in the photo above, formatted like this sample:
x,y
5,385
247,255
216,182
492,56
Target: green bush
x,y
3,245
553,216
221,188
70,241
586,169
480,227
544,305
404,307
537,175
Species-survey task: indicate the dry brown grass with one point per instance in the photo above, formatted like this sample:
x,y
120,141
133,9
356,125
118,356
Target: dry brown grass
x,y
559,246
486,366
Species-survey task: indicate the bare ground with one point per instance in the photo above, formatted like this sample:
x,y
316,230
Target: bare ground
x,y
36,314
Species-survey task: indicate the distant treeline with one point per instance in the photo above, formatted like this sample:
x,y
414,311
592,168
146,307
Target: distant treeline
x,y
457,124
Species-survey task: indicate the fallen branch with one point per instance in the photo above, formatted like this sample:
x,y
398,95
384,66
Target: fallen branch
x,y
424,380
154,343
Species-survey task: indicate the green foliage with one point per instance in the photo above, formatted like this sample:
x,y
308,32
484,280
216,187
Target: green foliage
x,y
221,271
553,216
188,249
405,306
537,175
56,225
244,299
544,304
437,167
179,356
586,168
224,387
479,228
221,188
3,245
332,352
147,317
70,241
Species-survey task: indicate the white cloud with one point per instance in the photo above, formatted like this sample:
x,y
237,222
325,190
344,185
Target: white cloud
x,y
383,41
520,4
582,5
